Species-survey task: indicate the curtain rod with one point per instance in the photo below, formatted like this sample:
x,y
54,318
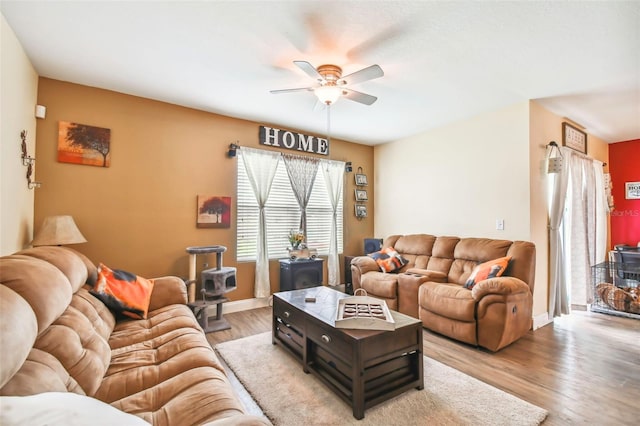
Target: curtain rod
x,y
236,146
555,145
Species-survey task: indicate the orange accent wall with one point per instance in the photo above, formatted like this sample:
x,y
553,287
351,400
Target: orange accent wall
x,y
139,214
624,166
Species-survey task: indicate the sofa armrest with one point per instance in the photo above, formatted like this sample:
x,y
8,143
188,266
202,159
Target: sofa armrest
x,y
360,265
500,285
427,275
365,264
167,291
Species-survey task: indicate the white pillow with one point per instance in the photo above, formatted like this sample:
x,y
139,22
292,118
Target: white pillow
x,y
63,409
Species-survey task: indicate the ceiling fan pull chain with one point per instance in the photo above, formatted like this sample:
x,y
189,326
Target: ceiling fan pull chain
x,y
328,122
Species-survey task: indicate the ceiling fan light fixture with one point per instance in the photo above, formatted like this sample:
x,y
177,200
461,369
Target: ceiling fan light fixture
x,y
328,94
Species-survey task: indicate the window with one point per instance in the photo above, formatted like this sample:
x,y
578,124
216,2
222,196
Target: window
x,y
283,215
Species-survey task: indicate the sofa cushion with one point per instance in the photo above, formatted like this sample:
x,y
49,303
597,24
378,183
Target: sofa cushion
x,y
491,269
160,363
69,262
50,373
447,300
123,292
442,254
415,248
471,251
72,354
15,342
381,284
388,259
78,340
45,288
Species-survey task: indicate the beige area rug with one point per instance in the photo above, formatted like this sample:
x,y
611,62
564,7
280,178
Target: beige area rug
x,y
288,396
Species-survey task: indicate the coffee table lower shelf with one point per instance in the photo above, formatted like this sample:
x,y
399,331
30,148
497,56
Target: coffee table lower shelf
x,y
362,367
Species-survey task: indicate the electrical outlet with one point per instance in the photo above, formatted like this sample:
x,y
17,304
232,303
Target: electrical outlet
x,y
500,224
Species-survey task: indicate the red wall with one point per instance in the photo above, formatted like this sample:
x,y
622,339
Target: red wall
x,y
624,166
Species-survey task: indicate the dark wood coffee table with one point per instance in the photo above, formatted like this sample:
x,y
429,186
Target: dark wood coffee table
x,y
363,367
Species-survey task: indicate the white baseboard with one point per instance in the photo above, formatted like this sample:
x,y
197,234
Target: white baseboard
x,y
245,304
541,320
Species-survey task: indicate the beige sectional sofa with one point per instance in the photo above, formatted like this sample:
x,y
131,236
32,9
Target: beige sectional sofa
x,y
61,347
431,286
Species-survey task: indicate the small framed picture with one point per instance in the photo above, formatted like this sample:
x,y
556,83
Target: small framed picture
x,y
361,180
574,138
632,190
213,212
361,195
361,210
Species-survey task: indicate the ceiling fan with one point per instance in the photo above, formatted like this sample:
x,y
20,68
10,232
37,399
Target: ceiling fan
x,y
331,85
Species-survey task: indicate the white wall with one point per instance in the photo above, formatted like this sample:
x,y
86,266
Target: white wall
x,y
458,179
18,95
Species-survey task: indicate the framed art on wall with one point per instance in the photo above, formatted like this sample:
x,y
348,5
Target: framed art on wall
x,y
361,210
632,190
361,180
574,138
214,212
361,195
84,144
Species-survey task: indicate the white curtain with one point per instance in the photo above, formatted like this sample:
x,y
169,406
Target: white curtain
x,y
558,296
333,172
602,212
588,232
580,230
577,220
302,173
261,168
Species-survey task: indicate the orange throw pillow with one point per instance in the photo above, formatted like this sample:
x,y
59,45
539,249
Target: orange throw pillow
x,y
491,269
388,259
123,292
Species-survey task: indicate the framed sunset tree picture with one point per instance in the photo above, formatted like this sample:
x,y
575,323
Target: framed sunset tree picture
x,y
214,212
84,144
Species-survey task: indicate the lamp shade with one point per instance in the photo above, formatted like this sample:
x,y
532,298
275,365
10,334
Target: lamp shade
x,y
328,94
58,230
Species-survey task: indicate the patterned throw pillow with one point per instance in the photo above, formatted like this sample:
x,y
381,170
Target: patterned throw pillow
x,y
123,292
491,269
388,259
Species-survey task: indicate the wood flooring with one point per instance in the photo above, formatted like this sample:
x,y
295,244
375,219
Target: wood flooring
x,y
583,368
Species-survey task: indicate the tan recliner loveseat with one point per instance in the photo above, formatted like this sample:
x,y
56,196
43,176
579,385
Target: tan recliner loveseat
x,y
493,314
65,359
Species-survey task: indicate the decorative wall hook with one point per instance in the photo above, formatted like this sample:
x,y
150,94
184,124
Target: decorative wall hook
x,y
28,161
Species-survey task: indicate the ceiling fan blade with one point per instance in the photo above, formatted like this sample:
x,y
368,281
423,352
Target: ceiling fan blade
x,y
310,70
363,98
368,73
300,89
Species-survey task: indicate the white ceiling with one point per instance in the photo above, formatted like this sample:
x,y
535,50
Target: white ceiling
x,y
443,61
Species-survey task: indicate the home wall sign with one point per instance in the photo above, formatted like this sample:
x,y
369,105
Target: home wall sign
x,y
632,190
270,136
